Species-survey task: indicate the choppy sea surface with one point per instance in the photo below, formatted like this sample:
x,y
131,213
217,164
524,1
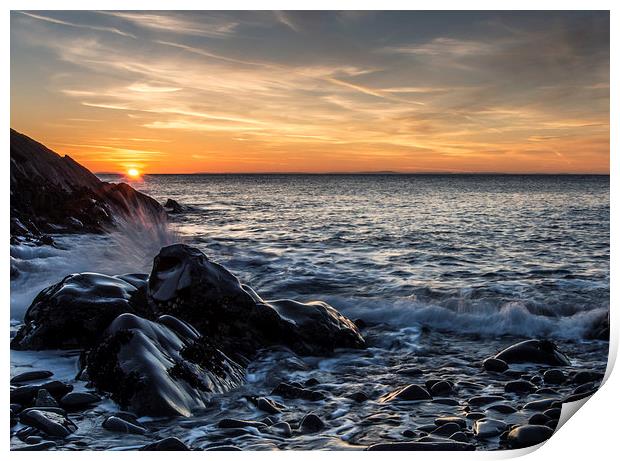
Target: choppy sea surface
x,y
487,259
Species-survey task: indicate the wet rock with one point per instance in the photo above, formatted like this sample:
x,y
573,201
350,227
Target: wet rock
x,y
528,435
291,391
503,408
519,387
186,284
36,447
587,387
574,398
554,377
31,376
599,328
359,397
45,399
311,382
162,368
411,392
539,405
553,413
495,365
269,405
282,428
552,424
410,372
31,440
448,402
441,388
311,423
583,377
408,433
48,422
538,418
24,395
229,423
223,448
487,427
168,444
172,206
446,430
422,446
459,437
75,400
73,313
451,419
482,400
116,424
534,351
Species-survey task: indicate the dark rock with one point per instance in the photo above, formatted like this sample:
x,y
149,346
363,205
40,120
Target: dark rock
x,y
116,424
446,430
160,368
229,423
599,328
502,408
173,206
552,424
186,284
539,405
482,400
554,377
31,440
475,415
223,448
282,428
459,437
45,399
553,413
24,395
168,444
574,398
528,435
360,324
410,372
311,382
269,405
290,391
519,387
583,377
49,422
441,388
36,447
451,419
75,400
422,446
538,418
359,397
31,376
534,351
487,427
496,365
408,393
74,312
587,387
449,402
311,423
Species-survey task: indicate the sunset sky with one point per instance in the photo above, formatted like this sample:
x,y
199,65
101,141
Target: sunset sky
x,y
183,92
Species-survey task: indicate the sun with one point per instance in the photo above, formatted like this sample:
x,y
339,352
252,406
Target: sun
x,y
133,173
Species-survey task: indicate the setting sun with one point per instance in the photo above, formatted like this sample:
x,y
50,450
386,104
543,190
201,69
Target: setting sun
x,y
133,173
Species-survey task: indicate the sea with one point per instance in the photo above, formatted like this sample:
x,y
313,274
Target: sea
x,y
482,259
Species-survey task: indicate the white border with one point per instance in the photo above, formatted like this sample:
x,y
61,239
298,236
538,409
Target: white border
x,y
591,435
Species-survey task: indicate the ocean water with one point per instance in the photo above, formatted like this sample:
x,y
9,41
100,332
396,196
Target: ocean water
x,y
481,261
523,255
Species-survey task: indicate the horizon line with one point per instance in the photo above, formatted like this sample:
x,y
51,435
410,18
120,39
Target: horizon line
x,y
378,173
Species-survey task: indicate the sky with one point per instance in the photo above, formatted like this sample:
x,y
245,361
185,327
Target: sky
x,y
265,91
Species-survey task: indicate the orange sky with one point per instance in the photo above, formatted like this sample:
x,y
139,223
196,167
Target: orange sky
x,y
315,92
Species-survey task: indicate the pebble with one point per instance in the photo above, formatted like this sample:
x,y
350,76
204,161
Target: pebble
x,y
484,400
586,377
475,415
410,372
292,391
441,388
519,386
459,437
269,406
230,423
540,405
116,424
451,419
311,423
282,428
44,399
168,444
49,422
503,408
79,400
31,376
538,418
554,376
312,382
408,393
553,413
496,365
446,430
449,402
359,397
528,435
32,439
488,427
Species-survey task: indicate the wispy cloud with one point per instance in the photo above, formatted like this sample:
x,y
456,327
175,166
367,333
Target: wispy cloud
x,y
49,19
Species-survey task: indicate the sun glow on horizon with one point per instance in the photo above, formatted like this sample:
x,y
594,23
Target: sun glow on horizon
x,y
133,173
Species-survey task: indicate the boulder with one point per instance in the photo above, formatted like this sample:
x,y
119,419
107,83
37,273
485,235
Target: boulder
x,y
31,376
74,312
534,351
186,284
411,392
487,427
50,422
496,365
162,368
528,435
